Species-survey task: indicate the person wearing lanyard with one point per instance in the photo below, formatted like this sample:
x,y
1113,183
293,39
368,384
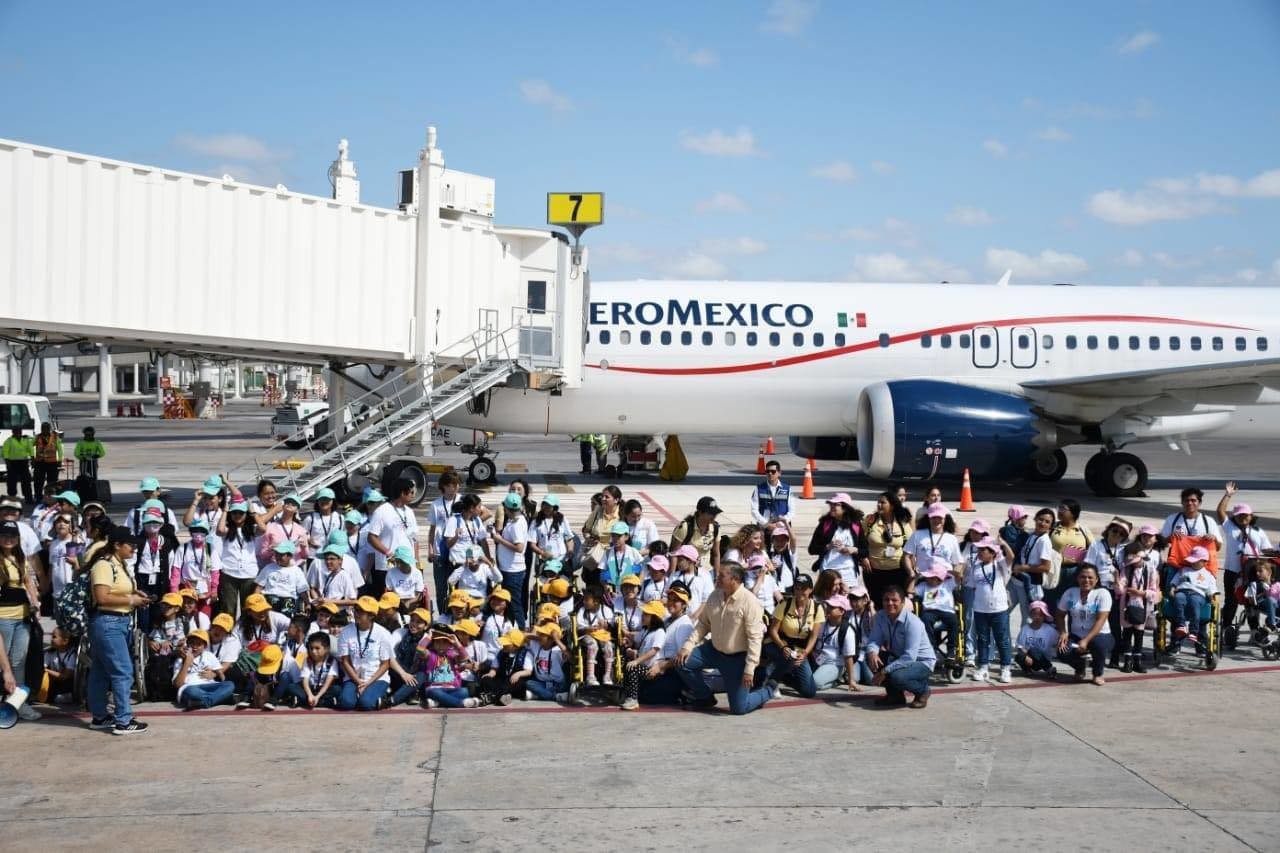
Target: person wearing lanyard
x,y
19,599
391,525
991,607
1191,528
886,538
1106,555
1245,541
364,649
511,543
206,504
198,565
153,560
464,529
237,530
934,537
329,582
1071,539
899,653
442,509
793,633
115,596
733,619
287,528
322,520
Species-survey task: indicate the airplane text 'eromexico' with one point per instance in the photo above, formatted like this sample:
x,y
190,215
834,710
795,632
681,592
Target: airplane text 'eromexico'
x,y
692,312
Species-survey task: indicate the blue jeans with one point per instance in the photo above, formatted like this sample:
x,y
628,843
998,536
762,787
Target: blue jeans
x,y
731,667
970,630
544,690
798,675
405,692
1019,597
663,690
17,636
987,625
207,695
938,621
1040,662
294,688
1267,605
441,572
1066,581
912,678
449,697
517,583
350,700
828,675
1099,649
1186,609
110,664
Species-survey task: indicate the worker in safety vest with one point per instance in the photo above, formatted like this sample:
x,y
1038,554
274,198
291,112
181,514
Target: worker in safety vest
x,y
771,499
89,450
48,457
17,452
589,444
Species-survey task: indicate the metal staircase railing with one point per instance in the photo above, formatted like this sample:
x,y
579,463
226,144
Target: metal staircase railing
x,y
393,412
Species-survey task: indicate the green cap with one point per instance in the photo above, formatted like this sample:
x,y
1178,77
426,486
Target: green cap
x,y
199,524
293,498
552,566
285,547
149,484
404,554
212,486
512,501
325,495
353,517
68,496
339,550
552,500
619,527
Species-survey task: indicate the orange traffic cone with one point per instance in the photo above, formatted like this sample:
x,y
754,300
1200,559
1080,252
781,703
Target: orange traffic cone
x,y
813,464
806,492
966,495
760,462
768,446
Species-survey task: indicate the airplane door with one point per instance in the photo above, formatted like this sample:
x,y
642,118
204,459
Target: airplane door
x,y
986,346
1022,346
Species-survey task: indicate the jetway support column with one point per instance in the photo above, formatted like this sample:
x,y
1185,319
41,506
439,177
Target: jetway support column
x,y
159,383
104,381
136,387
337,399
238,393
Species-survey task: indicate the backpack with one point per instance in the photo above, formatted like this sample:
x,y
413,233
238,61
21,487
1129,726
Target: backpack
x,y
71,609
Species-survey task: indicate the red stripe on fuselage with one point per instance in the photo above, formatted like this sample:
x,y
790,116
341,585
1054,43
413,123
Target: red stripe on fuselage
x,y
911,336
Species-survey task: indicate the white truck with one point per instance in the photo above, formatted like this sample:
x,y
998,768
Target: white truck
x,y
295,423
24,411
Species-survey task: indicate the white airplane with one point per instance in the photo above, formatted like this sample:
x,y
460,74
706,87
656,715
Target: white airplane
x,y
921,381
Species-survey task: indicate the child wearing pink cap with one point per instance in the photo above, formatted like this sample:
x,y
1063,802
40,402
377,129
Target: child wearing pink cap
x,y
1192,586
762,583
978,530
1138,593
1245,542
936,591
1037,641
991,606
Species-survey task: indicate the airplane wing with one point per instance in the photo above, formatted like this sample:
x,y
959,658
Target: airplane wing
x,y
1260,372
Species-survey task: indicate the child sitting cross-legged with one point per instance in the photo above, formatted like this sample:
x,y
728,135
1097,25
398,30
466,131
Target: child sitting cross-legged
x,y
1037,642
441,654
198,675
543,674
319,677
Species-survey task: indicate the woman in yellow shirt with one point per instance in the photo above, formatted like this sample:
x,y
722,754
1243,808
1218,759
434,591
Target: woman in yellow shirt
x,y
19,598
793,630
885,536
1071,539
115,597
596,532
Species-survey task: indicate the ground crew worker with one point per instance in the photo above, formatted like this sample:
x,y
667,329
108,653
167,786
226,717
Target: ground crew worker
x,y
771,499
89,450
47,452
593,443
17,452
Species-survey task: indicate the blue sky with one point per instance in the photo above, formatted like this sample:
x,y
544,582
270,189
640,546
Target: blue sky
x,y
1120,142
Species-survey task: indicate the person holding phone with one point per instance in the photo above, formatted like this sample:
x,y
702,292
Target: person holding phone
x,y
115,597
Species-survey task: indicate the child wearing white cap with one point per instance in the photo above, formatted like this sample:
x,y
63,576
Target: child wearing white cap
x,y
1037,641
937,601
1192,586
990,613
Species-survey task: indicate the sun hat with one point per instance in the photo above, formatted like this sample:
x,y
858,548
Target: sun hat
x,y
374,497
687,551
841,601
293,498
708,504
548,629
659,563
548,610
188,592
271,659
367,603
458,598
654,608
857,590
336,550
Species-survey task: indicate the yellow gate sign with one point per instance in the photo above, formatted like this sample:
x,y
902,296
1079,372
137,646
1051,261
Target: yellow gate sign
x,y
575,208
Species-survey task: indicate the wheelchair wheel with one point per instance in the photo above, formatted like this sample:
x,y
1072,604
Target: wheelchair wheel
x,y
1210,661
1268,652
138,650
1231,636
80,688
573,693
955,674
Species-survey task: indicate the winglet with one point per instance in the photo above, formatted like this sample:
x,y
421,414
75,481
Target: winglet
x,y
1004,279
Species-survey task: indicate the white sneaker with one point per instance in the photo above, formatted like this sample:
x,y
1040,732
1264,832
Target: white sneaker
x,y
630,704
775,692
981,674
26,712
607,681
562,698
431,703
471,702
592,681
1006,675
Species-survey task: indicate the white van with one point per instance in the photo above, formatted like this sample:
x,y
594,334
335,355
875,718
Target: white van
x,y
25,411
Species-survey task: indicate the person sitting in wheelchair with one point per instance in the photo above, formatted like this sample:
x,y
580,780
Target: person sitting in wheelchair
x,y
594,621
1262,593
938,603
1191,587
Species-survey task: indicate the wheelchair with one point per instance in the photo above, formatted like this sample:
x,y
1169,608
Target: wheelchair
x,y
578,667
950,668
1207,646
139,652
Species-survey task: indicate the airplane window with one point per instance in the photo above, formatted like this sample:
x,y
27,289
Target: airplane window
x,y
1113,342
1024,342
1134,342
774,339
706,339
604,336
839,339
1046,341
1217,344
686,338
818,339
1153,342
1092,342
751,339
1240,344
798,339
926,341
945,340
884,339
1071,341
984,341
646,337
1195,342
1262,344
624,337
964,342
730,338
1175,343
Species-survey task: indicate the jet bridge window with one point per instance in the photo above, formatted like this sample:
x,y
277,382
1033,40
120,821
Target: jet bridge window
x,y
1240,344
1217,344
1195,342
1071,342
537,298
1262,344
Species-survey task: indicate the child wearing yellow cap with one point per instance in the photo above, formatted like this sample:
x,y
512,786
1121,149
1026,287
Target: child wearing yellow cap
x,y
644,653
503,680
406,668
594,622
198,676
543,672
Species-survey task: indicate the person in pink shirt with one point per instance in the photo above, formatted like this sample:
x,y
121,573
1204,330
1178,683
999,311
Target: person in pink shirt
x,y
287,527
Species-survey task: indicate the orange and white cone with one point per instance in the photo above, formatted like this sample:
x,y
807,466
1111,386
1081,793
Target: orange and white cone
x,y
806,491
768,446
966,495
760,462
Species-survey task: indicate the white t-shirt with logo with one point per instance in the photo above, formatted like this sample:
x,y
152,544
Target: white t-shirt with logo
x,y
1081,615
941,597
199,663
1242,545
924,546
1044,638
990,581
829,649
366,649
515,531
407,585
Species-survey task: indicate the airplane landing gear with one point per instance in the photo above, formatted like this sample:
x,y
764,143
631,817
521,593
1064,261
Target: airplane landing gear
x,y
1047,467
1116,475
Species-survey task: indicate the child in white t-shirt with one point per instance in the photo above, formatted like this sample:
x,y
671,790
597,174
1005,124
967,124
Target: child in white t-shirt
x,y
543,674
1037,642
835,653
403,577
761,582
198,675
991,572
318,677
937,594
475,577
595,631
60,667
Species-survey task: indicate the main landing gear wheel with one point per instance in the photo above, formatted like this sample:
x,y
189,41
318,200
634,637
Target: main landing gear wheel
x,y
483,471
1047,467
1116,475
406,469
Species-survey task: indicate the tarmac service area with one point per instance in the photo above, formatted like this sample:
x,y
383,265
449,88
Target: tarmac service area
x,y
1177,759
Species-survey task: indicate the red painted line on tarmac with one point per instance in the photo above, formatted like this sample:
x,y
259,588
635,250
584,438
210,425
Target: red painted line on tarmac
x,y
865,694
659,507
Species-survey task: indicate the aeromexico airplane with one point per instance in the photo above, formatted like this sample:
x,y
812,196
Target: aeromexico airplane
x,y
922,381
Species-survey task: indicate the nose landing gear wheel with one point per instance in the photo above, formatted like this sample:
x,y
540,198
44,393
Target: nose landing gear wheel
x,y
1117,475
482,470
1047,467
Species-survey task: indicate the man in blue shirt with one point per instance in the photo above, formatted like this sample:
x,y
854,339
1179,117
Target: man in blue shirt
x,y
899,653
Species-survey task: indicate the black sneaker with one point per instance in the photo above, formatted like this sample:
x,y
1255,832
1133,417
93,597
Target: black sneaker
x,y
133,727
103,725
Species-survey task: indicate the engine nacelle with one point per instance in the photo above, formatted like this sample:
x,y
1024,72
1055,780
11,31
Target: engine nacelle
x,y
924,429
840,448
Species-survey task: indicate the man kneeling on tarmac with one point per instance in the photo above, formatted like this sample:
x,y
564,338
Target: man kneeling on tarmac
x,y
899,653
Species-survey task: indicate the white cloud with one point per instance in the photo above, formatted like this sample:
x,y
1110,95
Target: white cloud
x,y
789,17
995,148
1138,42
1053,133
1143,207
1275,270
889,267
721,202
699,57
1131,258
895,231
695,265
1262,185
741,143
1049,265
970,216
539,93
731,246
880,167
838,171
238,147
1248,276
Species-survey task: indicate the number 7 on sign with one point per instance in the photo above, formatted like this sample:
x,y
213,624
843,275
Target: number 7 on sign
x,y
569,209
